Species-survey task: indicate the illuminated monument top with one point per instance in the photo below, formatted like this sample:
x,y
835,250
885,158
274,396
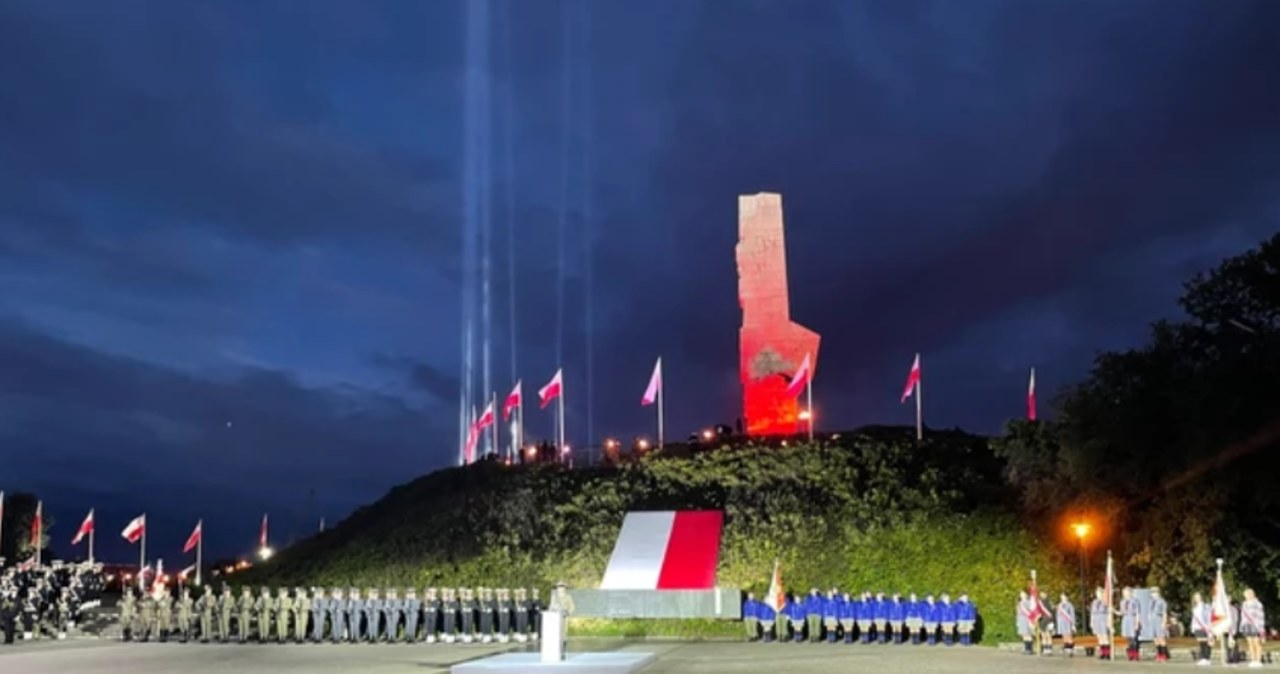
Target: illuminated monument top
x,y
770,345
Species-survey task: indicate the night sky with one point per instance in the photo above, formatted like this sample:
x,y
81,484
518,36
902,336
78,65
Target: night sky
x,y
231,233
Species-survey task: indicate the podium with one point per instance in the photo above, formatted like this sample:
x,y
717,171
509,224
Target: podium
x,y
553,633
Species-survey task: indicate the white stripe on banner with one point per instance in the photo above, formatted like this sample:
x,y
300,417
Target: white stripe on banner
x,y
637,557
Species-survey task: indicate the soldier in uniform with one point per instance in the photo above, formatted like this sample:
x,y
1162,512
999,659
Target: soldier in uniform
x,y
282,607
449,612
164,613
186,611
204,606
64,612
372,615
412,613
504,615
844,616
147,617
1131,624
1100,623
244,609
535,615
128,614
467,610
1160,625
355,616
337,611
392,610
226,607
265,608
431,606
301,614
1065,620
966,619
1201,615
1253,626
520,608
488,615
320,611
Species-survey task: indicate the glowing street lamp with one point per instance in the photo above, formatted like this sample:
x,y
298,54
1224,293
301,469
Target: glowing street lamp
x,y
643,444
708,434
265,552
1081,530
805,415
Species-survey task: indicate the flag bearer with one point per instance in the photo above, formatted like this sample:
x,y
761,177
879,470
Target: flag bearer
x,y
1100,623
1201,614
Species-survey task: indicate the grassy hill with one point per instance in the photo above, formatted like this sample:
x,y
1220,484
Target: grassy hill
x,y
869,510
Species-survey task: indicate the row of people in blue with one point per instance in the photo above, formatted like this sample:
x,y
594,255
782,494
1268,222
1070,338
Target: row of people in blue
x,y
840,616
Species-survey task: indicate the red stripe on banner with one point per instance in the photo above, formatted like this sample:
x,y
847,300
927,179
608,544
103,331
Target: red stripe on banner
x,y
692,551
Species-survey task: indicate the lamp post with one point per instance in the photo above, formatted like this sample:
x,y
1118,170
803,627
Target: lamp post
x,y
1081,530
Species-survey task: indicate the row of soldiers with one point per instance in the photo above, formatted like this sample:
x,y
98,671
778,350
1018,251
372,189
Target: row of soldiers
x,y
838,616
449,615
39,601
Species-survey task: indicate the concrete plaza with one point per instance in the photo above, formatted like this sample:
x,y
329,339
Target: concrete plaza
x,y
108,657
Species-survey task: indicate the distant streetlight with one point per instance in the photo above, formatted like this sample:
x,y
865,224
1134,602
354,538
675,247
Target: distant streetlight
x,y
265,553
643,444
1081,530
805,415
708,434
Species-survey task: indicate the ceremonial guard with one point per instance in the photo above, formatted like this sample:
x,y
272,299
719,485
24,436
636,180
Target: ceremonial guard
x,y
226,607
412,607
831,614
338,625
283,606
64,612
1201,614
450,607
880,613
128,614
520,608
164,613
535,615
1065,620
392,609
355,616
372,616
467,611
265,610
1159,625
1100,623
1253,626
932,616
966,619
1044,626
147,615
768,618
813,615
484,607
504,615
321,611
864,613
205,606
845,616
1131,624
783,624
431,606
897,617
186,614
301,614
914,611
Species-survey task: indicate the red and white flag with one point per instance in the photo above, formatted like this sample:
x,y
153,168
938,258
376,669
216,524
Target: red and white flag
x,y
486,419
1031,396
655,385
913,379
183,574
1220,610
136,529
262,533
800,379
36,523
473,437
777,597
671,550
1038,609
86,528
513,401
554,389
194,539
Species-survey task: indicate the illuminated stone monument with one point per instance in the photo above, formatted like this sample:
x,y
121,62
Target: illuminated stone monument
x,y
771,346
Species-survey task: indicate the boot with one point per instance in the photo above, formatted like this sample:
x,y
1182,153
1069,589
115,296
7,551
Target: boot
x,y
1069,650
1026,647
915,639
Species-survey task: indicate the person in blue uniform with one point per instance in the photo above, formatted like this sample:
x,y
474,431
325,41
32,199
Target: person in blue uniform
x,y
914,611
796,612
768,617
831,615
897,617
880,612
813,605
966,619
864,614
931,619
947,619
751,616
845,616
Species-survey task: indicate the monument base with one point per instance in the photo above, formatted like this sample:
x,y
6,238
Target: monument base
x,y
615,662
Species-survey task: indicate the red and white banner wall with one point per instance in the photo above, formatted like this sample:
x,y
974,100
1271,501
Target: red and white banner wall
x,y
670,550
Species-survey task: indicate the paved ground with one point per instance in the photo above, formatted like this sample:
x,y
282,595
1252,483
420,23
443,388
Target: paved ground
x,y
103,657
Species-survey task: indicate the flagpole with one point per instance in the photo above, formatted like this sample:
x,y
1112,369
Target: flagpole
x,y
1,520
142,550
662,384
1222,640
1110,618
493,405
561,400
91,533
919,403
808,394
199,550
39,528
520,421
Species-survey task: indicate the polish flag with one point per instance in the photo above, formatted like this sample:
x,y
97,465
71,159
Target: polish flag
x,y
194,539
486,419
800,379
777,597
552,390
1038,609
1220,613
913,379
1031,396
473,436
185,573
672,550
86,527
137,529
262,533
513,401
655,385
36,523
